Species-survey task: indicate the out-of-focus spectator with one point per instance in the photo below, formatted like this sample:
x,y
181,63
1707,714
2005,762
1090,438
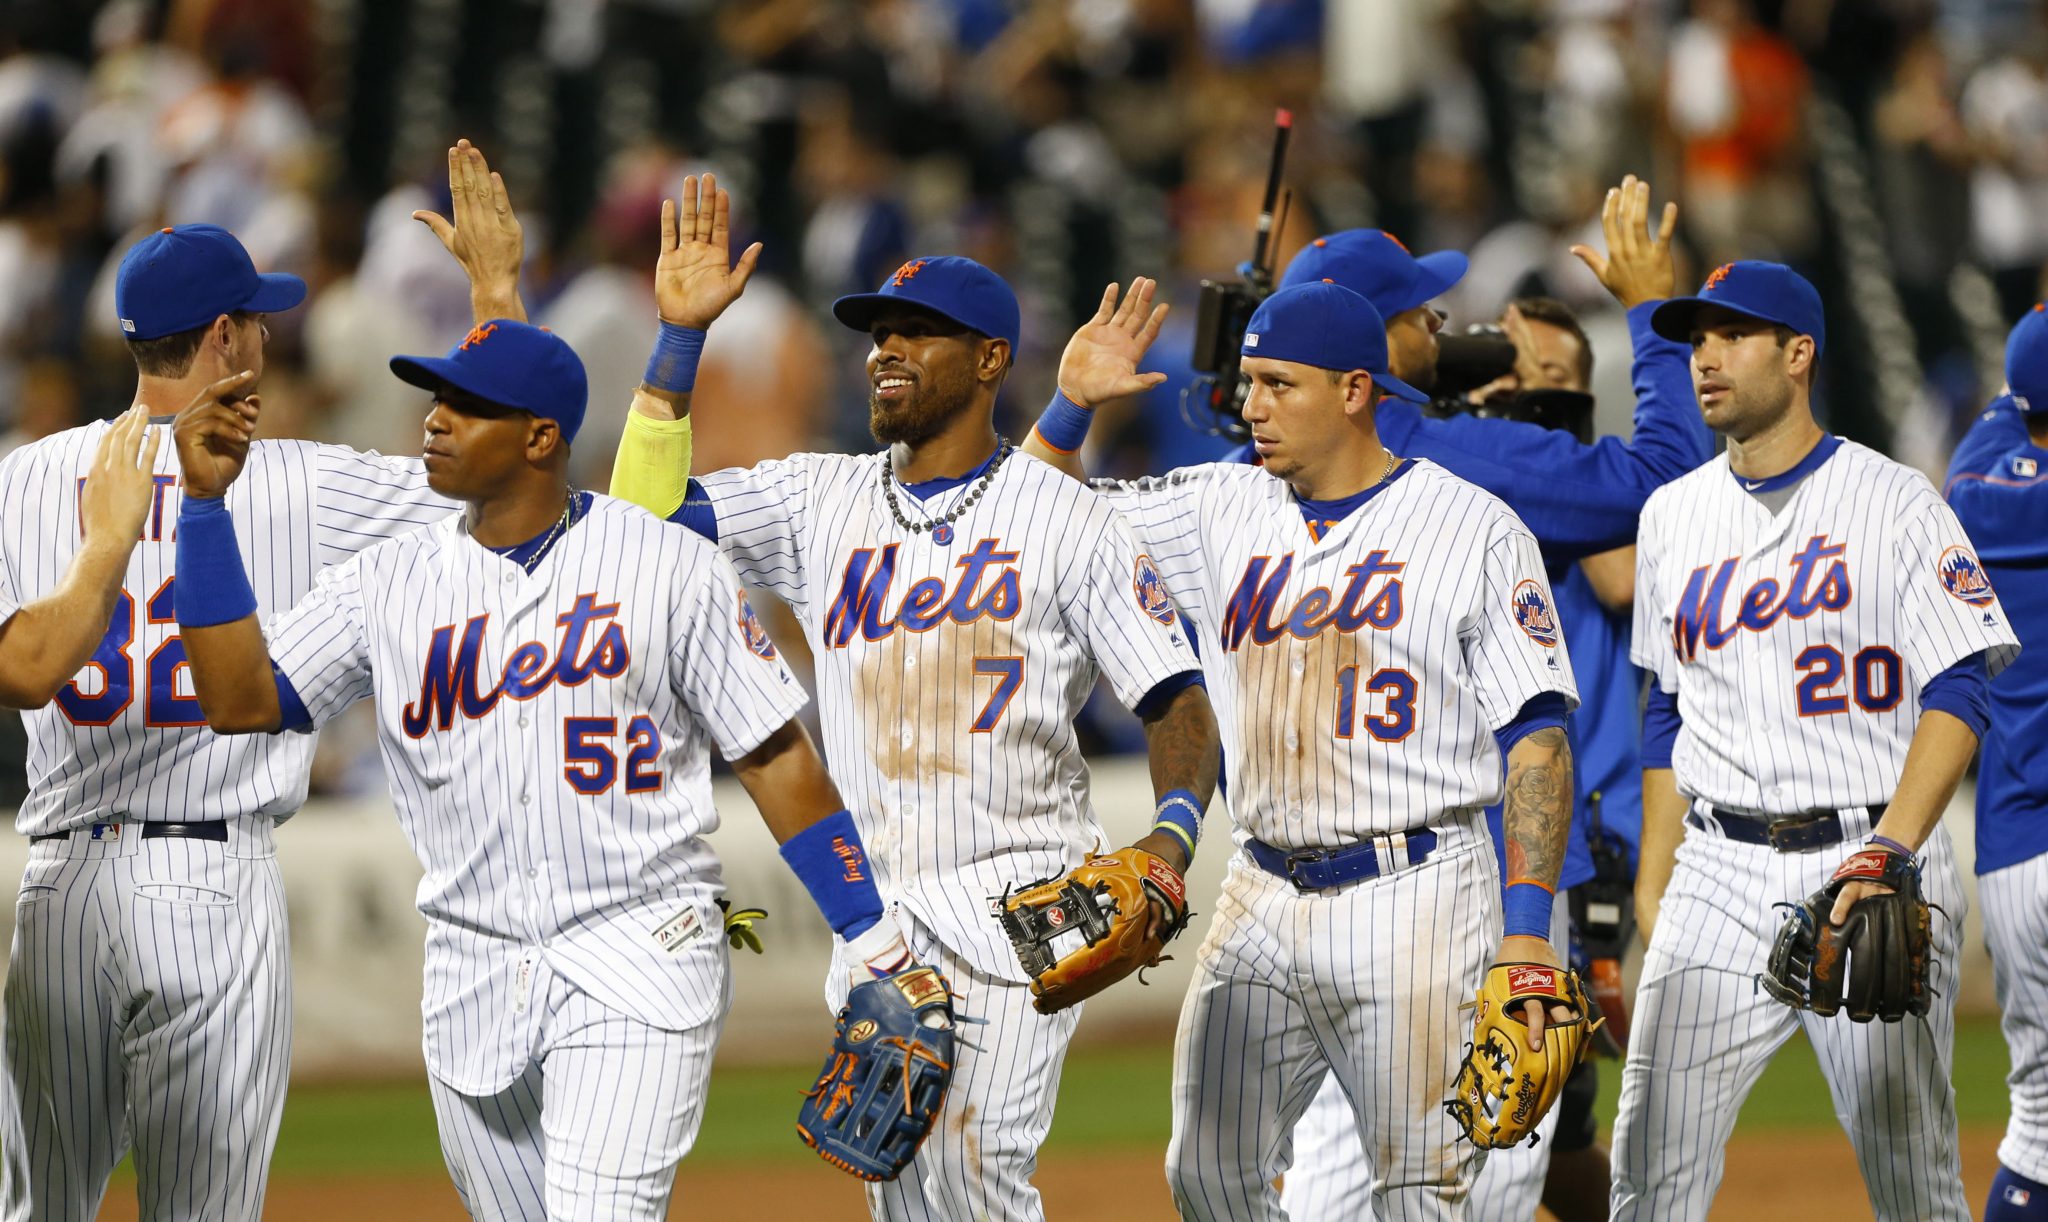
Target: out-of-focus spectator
x,y
47,402
2005,107
1737,94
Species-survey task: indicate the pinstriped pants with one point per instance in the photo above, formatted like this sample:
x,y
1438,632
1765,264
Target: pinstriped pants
x,y
1704,1031
1361,985
148,1005
593,1130
2015,903
1330,1177
977,1164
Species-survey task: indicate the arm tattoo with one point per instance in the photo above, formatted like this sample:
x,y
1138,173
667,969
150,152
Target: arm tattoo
x,y
1184,745
1538,814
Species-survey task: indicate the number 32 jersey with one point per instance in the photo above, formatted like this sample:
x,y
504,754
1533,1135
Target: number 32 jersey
x,y
1797,626
1358,676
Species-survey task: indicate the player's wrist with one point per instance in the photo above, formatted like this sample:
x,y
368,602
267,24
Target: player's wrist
x,y
1063,426
672,367
1526,908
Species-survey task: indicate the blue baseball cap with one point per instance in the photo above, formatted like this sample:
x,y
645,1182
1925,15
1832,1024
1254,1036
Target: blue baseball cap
x,y
185,276
512,364
2026,362
947,285
1770,291
1374,264
1328,326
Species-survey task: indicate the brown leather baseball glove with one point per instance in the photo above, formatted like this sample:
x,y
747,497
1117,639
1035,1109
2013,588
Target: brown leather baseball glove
x,y
1082,932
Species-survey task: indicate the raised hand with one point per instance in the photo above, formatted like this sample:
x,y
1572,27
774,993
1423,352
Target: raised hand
x,y
484,233
695,278
122,483
213,435
1101,361
1637,266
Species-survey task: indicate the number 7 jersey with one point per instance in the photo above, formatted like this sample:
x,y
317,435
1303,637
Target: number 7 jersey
x,y
1798,639
1358,671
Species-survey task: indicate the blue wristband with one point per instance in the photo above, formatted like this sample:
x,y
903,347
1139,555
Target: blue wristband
x,y
1888,843
1180,812
1527,906
673,366
212,586
829,860
1064,426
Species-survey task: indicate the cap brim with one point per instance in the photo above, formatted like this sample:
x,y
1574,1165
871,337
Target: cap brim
x,y
1673,320
275,293
436,372
1440,270
858,310
1389,384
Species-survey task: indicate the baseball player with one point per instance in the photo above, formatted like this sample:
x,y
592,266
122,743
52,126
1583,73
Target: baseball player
x,y
1821,636
1381,637
47,639
1997,489
1573,492
960,600
148,1000
550,670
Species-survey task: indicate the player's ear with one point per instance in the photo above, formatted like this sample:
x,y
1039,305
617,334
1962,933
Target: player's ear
x,y
1359,392
994,360
220,336
544,440
1801,355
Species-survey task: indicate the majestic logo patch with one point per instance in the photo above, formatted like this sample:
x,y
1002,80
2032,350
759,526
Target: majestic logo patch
x,y
1151,591
680,931
1964,578
1532,613
752,632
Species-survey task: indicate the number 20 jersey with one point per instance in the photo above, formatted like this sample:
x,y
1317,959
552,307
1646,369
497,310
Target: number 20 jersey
x,y
1358,676
1798,641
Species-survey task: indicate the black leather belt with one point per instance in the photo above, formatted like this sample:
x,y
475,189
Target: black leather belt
x,y
1801,833
216,831
1321,869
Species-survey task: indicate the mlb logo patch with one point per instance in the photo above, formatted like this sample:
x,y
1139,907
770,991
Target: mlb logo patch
x,y
2025,468
758,642
1151,591
2015,1195
106,831
1251,339
1964,578
1533,615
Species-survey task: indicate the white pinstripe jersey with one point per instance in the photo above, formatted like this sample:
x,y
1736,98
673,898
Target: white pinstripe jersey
x,y
949,675
1797,642
1358,678
548,740
126,736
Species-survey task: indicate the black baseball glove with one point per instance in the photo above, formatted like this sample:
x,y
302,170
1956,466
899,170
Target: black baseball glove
x,y
1875,963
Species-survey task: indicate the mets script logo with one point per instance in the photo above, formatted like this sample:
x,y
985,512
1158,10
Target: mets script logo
x,y
906,272
984,588
1532,612
1964,578
1254,610
452,680
1715,277
751,630
1819,582
1151,590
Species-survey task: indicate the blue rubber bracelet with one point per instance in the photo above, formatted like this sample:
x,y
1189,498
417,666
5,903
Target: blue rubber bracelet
x,y
829,860
1889,843
1527,907
212,586
1064,426
673,365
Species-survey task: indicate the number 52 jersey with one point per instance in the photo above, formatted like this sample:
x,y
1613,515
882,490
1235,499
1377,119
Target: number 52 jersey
x,y
1797,620
1359,669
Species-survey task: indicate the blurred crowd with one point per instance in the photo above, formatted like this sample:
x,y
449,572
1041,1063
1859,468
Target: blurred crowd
x,y
1895,150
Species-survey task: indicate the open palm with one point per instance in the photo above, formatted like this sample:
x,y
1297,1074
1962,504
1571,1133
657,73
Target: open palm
x,y
1101,360
695,278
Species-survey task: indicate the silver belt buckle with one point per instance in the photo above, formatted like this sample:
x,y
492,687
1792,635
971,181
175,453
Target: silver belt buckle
x,y
1304,857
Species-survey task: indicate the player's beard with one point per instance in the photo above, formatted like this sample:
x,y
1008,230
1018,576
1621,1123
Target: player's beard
x,y
1751,408
934,402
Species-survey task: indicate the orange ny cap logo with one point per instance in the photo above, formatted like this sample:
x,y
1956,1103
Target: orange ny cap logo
x,y
907,271
1717,276
477,335
1396,241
